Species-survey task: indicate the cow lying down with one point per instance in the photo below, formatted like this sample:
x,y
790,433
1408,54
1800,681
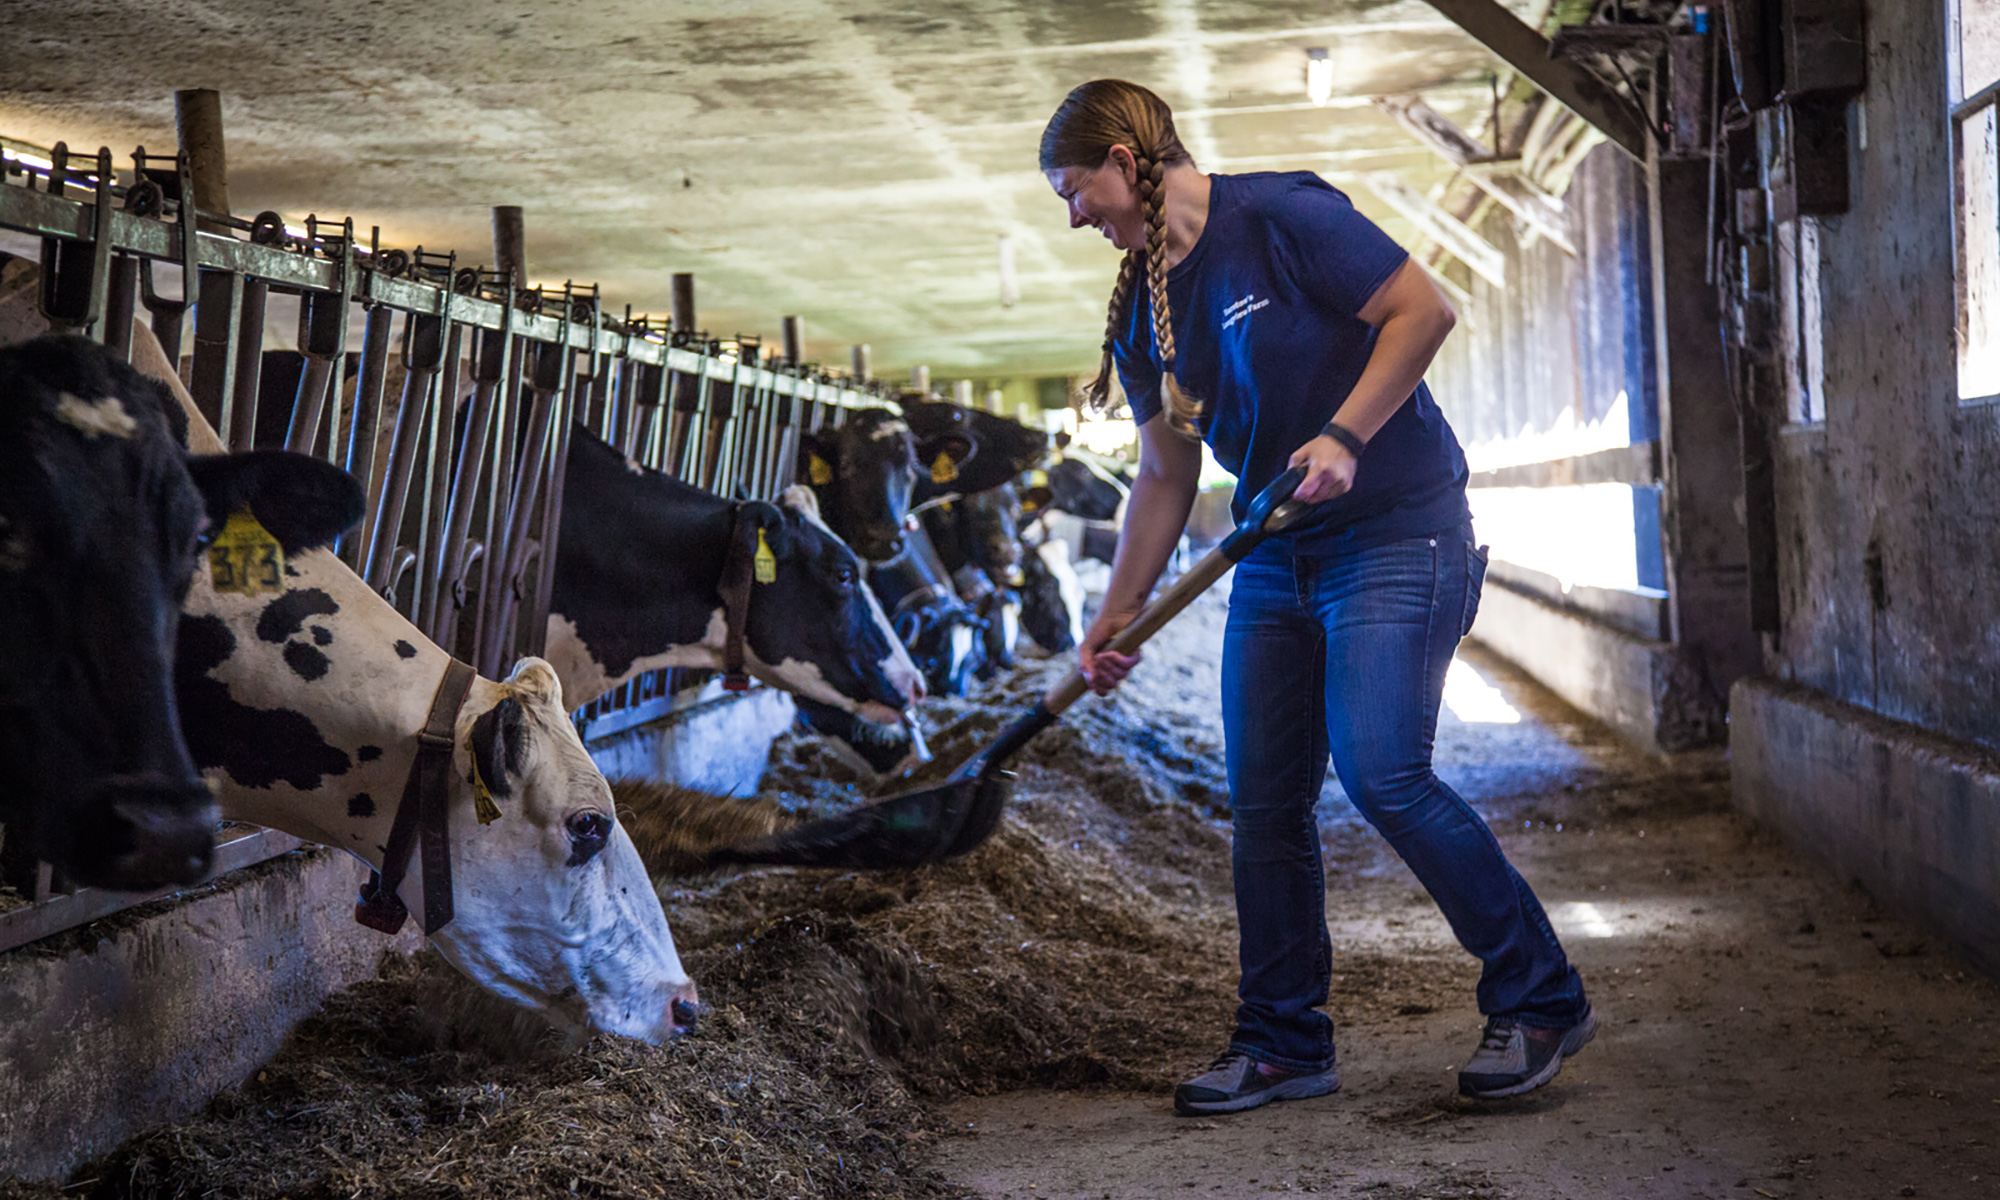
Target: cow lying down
x,y
103,523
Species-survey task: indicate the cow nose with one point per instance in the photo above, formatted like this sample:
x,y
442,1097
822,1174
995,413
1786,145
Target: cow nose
x,y
684,1011
153,833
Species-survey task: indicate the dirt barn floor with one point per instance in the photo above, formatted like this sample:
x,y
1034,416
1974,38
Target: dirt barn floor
x,y
1012,1024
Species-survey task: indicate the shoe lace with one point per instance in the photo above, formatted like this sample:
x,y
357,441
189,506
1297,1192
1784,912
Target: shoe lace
x,y
1499,1032
1226,1058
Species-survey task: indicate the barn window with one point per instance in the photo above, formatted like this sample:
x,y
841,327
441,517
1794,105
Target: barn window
x,y
1974,68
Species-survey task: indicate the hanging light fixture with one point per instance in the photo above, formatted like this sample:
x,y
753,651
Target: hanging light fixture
x,y
1319,76
1010,280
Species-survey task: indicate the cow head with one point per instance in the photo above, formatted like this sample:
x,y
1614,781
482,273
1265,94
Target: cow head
x,y
816,629
1051,597
862,474
992,530
1004,448
554,909
1083,489
103,519
871,750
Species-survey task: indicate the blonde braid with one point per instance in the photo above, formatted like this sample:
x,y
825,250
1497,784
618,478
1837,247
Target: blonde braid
x,y
1098,394
1183,412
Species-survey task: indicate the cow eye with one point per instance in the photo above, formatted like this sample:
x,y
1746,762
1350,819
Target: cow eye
x,y
844,575
204,536
588,832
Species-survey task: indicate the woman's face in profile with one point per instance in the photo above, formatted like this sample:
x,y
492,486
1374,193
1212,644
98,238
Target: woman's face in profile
x,y
1105,197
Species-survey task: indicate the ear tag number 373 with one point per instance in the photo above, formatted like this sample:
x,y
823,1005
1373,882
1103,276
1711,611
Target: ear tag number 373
x,y
245,558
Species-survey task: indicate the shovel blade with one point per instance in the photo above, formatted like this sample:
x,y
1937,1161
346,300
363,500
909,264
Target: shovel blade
x,y
910,830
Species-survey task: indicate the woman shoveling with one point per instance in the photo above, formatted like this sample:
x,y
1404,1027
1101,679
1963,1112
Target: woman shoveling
x,y
1264,315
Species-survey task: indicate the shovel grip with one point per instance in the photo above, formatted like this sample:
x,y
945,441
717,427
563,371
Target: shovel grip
x,y
1165,607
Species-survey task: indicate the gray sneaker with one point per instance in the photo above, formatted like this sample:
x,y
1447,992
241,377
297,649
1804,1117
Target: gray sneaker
x,y
1513,1058
1236,1081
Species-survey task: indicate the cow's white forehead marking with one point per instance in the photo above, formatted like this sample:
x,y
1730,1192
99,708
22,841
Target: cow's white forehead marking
x,y
94,417
889,429
804,501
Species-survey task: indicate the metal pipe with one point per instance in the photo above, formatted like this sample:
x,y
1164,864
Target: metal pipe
x,y
684,303
121,305
424,336
794,335
859,360
489,368
198,121
510,245
242,430
367,416
437,481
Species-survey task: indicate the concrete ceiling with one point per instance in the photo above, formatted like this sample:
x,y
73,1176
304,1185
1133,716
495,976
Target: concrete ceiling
x,y
853,163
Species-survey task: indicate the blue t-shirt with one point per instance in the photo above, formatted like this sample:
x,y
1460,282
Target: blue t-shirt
x,y
1267,338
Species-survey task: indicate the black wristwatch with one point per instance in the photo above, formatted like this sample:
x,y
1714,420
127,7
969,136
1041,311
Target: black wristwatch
x,y
1345,436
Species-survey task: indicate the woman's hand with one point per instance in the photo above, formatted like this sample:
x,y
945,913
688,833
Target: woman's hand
x,y
1105,669
1329,470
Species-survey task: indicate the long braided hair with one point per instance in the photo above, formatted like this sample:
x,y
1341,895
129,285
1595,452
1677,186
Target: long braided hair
x,y
1090,121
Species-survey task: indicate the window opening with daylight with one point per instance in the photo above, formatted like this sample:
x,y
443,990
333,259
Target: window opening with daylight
x,y
1974,67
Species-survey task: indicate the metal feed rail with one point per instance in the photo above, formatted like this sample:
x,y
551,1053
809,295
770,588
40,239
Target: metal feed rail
x,y
465,499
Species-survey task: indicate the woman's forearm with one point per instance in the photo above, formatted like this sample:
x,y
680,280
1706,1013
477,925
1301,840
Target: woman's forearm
x,y
1155,516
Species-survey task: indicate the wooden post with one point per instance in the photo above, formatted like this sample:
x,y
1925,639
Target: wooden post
x,y
510,244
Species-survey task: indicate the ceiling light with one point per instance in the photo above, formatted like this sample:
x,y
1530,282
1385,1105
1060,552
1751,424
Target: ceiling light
x,y
1010,282
1319,77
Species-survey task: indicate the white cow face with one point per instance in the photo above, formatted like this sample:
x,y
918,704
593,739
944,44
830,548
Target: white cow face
x,y
553,907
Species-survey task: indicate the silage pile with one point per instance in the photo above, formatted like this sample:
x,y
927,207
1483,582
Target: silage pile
x,y
1090,942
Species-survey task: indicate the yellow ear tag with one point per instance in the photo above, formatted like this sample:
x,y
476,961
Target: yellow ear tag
x,y
245,558
764,567
482,797
819,470
943,469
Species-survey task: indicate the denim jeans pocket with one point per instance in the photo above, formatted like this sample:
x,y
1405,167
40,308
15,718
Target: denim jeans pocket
x,y
1475,583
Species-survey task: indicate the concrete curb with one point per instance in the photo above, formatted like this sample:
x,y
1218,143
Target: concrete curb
x,y
1912,816
142,1017
1651,692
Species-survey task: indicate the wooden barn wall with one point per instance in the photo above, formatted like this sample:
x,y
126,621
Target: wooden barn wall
x,y
1566,332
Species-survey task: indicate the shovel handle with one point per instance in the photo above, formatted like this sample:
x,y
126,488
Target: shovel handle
x,y
1271,512
1165,607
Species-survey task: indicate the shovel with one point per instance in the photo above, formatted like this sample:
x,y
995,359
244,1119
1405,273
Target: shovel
x,y
954,817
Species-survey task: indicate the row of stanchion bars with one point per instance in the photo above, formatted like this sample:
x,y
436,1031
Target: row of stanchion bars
x,y
459,524
456,527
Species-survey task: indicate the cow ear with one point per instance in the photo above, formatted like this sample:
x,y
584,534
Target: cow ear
x,y
955,446
802,500
815,465
535,677
302,501
497,737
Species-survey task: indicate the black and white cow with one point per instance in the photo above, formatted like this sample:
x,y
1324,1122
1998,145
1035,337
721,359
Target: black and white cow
x,y
103,517
304,709
638,571
941,631
1002,448
978,540
862,474
1083,488
1051,596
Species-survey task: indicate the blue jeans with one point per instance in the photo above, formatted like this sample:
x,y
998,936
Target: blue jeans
x,y
1346,656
